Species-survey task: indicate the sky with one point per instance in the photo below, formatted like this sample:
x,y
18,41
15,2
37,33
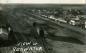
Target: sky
x,y
44,1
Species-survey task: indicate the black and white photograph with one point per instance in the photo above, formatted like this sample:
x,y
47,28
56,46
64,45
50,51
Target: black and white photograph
x,y
42,27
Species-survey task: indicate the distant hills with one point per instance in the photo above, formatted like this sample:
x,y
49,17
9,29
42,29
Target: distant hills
x,y
46,5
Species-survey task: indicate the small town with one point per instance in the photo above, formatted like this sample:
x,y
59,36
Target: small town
x,y
44,28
